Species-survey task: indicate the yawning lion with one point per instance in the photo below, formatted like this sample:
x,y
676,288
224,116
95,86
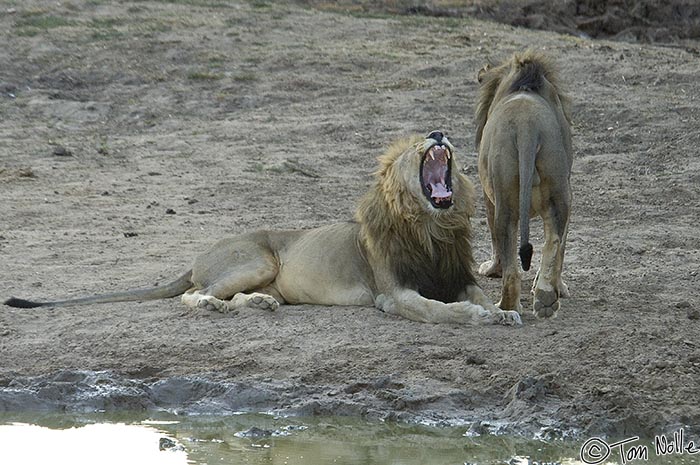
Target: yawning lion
x,y
407,253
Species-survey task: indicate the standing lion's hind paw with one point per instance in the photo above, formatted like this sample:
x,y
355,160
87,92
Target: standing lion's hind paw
x,y
546,303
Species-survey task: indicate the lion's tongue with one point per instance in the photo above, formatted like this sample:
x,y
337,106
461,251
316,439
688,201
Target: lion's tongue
x,y
439,191
434,173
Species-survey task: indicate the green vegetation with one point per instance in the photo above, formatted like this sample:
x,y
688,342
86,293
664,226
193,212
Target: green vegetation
x,y
34,22
245,77
204,76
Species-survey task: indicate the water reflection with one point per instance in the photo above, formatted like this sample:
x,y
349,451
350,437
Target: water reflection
x,y
103,443
136,439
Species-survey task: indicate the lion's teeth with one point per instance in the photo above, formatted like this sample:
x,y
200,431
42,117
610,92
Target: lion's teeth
x,y
431,155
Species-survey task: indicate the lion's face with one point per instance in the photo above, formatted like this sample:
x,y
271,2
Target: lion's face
x,y
435,171
417,176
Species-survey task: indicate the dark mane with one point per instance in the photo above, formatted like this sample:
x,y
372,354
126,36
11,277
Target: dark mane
x,y
529,71
530,78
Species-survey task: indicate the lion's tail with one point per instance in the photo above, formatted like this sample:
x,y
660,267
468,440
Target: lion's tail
x,y
175,288
527,153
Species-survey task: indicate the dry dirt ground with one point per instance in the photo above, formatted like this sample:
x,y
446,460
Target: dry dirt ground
x,y
134,134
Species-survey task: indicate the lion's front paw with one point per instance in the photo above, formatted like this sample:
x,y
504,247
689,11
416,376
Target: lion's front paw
x,y
509,318
491,269
385,304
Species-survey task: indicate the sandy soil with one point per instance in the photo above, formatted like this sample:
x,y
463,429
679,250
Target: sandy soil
x,y
134,134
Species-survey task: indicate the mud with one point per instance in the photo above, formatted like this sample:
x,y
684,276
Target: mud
x,y
133,135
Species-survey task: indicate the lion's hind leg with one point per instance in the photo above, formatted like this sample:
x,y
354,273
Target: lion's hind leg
x,y
505,245
491,268
199,300
236,273
549,287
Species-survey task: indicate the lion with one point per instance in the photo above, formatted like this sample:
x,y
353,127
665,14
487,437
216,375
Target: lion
x,y
407,253
524,141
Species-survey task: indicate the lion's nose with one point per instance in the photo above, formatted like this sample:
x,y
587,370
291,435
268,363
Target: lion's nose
x,y
437,135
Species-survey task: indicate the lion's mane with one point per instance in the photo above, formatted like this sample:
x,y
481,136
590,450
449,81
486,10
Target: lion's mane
x,y
427,251
526,71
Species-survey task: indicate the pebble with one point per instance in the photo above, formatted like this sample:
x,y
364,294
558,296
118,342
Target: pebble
x,y
61,151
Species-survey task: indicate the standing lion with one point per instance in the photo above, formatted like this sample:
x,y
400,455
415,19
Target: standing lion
x,y
524,141
408,253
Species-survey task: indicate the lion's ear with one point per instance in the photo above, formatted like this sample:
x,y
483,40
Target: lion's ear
x,y
482,72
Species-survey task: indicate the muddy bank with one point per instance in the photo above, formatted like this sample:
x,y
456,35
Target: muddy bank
x,y
523,411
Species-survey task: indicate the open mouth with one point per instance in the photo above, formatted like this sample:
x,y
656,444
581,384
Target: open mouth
x,y
436,175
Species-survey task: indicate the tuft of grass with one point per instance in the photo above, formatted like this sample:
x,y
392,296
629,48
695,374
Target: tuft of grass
x,y
261,4
106,35
245,77
105,28
32,23
198,3
100,23
43,22
204,76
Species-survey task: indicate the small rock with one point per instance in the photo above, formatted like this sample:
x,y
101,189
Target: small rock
x,y
26,173
61,151
254,433
130,234
169,444
475,360
693,314
170,211
683,304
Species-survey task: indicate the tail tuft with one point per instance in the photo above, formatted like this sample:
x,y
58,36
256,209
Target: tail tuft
x,y
21,303
525,253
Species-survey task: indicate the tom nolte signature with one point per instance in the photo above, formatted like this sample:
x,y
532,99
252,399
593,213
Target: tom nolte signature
x,y
596,450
